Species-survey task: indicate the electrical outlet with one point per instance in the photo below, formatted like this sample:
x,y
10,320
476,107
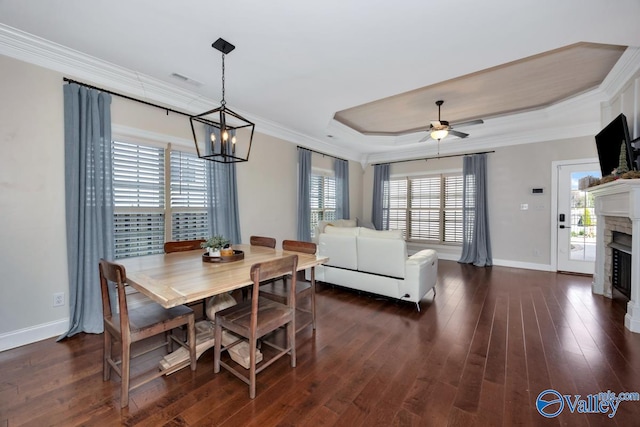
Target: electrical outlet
x,y
58,299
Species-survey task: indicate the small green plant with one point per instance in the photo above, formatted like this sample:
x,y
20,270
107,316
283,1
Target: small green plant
x,y
215,242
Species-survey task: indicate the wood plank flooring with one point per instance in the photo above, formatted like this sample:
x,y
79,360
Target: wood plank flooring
x,y
476,355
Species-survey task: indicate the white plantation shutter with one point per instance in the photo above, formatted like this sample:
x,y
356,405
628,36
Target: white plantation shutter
x,y
427,208
188,192
322,197
138,187
453,209
397,205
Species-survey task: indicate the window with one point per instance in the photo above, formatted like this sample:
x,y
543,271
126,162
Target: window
x,y
188,197
323,199
138,186
427,208
142,218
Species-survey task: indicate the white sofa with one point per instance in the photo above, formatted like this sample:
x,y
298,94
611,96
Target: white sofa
x,y
376,262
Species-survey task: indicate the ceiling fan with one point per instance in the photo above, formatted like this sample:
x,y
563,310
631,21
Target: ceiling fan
x,y
438,129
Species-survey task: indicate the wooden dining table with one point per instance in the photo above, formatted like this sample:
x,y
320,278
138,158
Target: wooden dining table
x,y
182,277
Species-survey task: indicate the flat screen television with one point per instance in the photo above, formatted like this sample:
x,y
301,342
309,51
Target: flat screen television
x,y
610,141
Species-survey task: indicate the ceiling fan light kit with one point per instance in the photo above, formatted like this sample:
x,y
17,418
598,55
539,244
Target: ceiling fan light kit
x,y
439,129
439,133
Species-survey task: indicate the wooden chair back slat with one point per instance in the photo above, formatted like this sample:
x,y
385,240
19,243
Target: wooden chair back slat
x,y
299,246
185,245
268,242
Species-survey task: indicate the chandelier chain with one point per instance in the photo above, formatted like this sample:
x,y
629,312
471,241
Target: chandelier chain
x,y
223,102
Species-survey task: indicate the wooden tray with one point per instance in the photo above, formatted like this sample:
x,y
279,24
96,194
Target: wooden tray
x,y
237,256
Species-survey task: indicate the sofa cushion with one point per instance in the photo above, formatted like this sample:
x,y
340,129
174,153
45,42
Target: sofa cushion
x,y
340,248
381,234
386,256
336,223
346,231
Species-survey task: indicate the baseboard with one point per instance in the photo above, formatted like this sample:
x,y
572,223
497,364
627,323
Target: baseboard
x,y
524,265
503,263
33,334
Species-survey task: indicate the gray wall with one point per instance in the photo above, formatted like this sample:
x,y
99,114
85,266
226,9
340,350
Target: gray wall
x,y
518,237
33,260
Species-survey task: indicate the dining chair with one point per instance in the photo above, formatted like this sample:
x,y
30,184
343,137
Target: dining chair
x,y
132,326
267,242
183,246
279,290
253,319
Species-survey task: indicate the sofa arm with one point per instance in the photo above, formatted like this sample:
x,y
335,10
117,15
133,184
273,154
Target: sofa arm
x,y
421,272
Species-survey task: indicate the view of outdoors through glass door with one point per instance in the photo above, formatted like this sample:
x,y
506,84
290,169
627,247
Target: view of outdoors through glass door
x,y
583,220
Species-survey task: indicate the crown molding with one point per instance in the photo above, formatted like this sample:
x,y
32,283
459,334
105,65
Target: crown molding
x,y
511,130
572,118
626,67
35,50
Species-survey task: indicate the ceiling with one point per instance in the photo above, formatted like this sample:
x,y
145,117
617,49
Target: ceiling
x,y
534,82
358,79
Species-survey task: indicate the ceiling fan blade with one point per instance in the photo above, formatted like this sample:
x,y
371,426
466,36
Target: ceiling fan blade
x,y
458,134
469,123
426,138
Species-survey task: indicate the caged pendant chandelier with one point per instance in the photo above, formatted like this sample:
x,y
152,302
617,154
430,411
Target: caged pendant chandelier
x,y
226,136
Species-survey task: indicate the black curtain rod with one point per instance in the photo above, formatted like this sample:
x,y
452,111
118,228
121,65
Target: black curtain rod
x,y
438,157
127,97
324,154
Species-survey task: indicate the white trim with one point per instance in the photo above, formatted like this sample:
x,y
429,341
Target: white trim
x,y
515,129
160,140
426,174
76,65
555,165
523,265
322,171
33,334
448,256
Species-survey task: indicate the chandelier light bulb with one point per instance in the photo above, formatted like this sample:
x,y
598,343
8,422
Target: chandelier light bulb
x,y
225,135
213,137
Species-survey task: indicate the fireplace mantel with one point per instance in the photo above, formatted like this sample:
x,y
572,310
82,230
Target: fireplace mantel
x,y
620,198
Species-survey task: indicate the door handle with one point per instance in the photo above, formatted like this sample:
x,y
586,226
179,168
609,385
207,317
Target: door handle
x,y
563,226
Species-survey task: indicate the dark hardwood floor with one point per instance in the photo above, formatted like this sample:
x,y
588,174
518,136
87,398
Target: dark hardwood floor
x,y
479,354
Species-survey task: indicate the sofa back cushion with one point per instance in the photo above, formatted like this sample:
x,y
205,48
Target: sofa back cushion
x,y
381,234
340,248
335,223
386,256
345,231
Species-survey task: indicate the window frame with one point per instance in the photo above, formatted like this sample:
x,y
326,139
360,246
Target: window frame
x,y
404,209
168,209
324,212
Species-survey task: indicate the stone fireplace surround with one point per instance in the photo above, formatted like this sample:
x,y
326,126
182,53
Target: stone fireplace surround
x,y
618,208
611,225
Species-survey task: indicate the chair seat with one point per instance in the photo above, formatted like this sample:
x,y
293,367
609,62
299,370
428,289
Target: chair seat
x,y
279,292
149,316
272,315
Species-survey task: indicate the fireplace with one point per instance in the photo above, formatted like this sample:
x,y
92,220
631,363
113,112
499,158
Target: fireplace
x,y
618,244
621,262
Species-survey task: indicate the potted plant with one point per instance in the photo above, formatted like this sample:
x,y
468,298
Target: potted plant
x,y
214,244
